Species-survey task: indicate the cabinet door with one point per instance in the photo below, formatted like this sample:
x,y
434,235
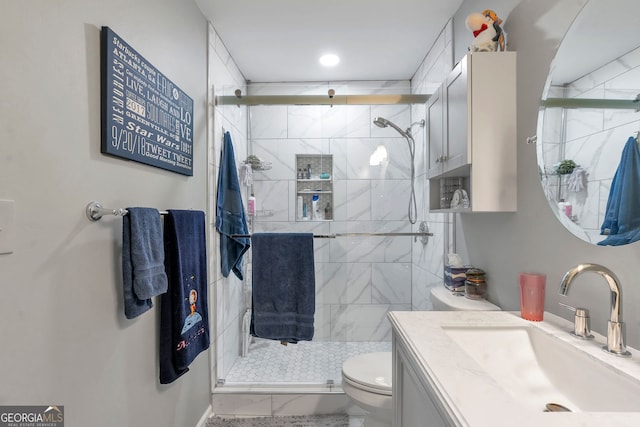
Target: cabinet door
x,y
457,118
435,132
413,405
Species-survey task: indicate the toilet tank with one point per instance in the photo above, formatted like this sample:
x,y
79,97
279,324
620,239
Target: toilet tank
x,y
445,300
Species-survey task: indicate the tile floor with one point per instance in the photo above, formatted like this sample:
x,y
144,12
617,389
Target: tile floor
x,y
305,363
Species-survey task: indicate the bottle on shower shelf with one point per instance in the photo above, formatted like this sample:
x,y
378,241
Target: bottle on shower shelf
x,y
315,208
327,211
300,210
251,205
568,210
561,206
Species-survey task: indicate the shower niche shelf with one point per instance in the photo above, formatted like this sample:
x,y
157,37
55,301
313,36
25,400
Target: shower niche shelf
x,y
262,213
471,133
310,168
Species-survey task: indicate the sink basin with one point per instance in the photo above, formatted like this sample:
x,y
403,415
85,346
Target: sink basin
x,y
538,368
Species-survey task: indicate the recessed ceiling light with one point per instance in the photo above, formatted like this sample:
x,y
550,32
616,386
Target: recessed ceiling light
x,y
329,60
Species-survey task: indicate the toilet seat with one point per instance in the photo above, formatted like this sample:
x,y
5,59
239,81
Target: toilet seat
x,y
371,372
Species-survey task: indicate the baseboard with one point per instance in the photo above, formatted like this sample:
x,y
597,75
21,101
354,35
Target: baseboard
x,y
203,420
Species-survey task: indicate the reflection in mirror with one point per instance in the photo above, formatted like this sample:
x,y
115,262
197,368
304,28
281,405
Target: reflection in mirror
x,y
589,113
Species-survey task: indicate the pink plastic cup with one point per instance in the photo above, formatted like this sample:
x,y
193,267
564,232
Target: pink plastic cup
x,y
532,287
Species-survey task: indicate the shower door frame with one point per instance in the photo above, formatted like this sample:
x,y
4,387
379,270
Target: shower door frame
x,y
371,100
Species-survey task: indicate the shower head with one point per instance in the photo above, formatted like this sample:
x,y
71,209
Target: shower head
x,y
383,123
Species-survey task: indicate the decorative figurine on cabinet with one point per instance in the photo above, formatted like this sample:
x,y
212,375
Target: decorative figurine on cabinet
x,y
487,32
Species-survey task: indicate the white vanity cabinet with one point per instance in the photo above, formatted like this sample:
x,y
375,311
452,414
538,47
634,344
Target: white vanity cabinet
x,y
472,135
413,405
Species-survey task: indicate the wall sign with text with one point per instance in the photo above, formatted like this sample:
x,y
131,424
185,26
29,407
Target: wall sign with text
x,y
145,116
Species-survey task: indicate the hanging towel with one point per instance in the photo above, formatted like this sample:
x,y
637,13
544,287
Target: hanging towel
x,y
622,216
143,274
184,313
246,175
577,180
230,217
283,286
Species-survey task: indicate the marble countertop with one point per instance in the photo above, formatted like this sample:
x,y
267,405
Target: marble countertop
x,y
474,398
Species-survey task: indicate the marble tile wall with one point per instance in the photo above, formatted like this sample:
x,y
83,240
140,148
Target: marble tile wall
x,y
226,294
594,138
427,261
359,279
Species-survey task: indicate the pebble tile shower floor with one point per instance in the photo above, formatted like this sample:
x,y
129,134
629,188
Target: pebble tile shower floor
x,y
308,362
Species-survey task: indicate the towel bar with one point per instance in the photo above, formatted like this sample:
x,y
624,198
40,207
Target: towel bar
x,y
423,234
95,211
333,236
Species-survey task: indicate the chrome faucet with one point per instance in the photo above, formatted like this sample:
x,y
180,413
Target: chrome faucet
x,y
615,330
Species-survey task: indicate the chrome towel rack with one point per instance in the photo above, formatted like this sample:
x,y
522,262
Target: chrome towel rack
x,y
334,235
423,234
95,211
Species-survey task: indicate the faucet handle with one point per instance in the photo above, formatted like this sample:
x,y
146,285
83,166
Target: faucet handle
x,y
581,328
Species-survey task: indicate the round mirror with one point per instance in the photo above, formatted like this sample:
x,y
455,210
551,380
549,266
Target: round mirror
x,y
588,122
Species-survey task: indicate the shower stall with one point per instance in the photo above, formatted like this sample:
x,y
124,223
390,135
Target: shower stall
x,y
366,153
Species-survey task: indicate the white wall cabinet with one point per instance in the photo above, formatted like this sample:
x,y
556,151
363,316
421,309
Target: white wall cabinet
x,y
435,132
472,135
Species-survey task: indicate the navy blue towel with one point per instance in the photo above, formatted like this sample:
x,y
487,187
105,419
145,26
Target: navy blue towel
x,y
622,216
184,311
283,286
230,216
143,274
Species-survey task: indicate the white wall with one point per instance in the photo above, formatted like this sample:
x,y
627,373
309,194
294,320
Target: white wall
x,y
65,338
533,239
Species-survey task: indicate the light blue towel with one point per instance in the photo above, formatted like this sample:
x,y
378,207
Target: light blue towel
x,y
230,217
283,286
143,274
622,217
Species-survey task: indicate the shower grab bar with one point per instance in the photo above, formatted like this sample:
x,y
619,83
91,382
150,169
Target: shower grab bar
x,y
95,211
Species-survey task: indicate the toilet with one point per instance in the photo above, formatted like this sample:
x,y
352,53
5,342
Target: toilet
x,y
367,378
